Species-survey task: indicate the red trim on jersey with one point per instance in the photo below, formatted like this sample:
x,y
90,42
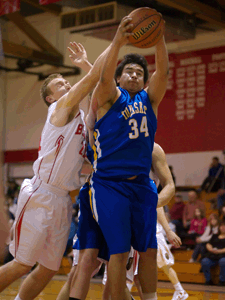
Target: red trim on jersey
x,y
23,188
77,115
59,142
19,222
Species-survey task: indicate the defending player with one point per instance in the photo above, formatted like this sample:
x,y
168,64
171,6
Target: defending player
x,y
44,207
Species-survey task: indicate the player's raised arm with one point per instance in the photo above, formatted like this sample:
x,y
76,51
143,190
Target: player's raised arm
x,y
162,171
158,81
108,86
69,103
78,56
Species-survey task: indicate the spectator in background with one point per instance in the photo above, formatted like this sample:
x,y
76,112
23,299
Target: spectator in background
x,y
189,209
16,195
198,224
220,198
222,213
213,182
176,213
211,228
10,218
73,230
215,255
12,187
12,205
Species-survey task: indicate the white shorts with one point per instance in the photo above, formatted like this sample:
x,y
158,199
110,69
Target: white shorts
x,y
164,255
42,224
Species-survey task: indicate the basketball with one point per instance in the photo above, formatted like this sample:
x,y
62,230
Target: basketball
x,y
148,29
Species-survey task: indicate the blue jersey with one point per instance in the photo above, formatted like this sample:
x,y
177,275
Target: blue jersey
x,y
124,137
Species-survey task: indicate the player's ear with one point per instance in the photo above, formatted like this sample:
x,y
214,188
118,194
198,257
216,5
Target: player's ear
x,y
118,80
50,99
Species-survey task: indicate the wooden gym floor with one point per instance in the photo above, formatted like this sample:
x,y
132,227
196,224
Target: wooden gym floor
x,y
165,291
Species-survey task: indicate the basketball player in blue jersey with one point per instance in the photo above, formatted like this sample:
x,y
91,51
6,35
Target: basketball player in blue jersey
x,y
124,199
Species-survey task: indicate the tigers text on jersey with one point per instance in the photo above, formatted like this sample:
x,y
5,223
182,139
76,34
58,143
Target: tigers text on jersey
x,y
61,153
124,137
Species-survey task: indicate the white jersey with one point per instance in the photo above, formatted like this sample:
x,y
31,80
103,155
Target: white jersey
x,y
61,152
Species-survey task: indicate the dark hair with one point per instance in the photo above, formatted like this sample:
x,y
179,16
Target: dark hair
x,y
221,223
216,158
45,90
135,59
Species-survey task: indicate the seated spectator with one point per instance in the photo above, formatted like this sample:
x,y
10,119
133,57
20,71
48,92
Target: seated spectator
x,y
222,213
215,255
176,213
189,209
211,228
220,199
198,223
16,195
197,227
7,255
213,182
73,231
12,187
12,205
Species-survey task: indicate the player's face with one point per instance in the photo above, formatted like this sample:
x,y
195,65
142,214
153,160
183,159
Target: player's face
x,y
132,78
59,87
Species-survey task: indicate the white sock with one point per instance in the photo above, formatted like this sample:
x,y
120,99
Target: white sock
x,y
150,296
129,286
178,287
18,297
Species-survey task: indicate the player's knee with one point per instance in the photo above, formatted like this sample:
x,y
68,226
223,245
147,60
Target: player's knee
x,y
88,263
120,258
20,267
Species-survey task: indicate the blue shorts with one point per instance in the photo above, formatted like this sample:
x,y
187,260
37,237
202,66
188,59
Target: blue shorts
x,y
126,212
89,234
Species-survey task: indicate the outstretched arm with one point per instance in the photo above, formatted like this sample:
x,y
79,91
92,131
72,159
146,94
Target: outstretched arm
x,y
108,89
158,81
162,171
78,56
68,105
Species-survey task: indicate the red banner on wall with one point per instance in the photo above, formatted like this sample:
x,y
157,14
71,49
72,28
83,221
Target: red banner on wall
x,y
45,2
191,117
9,6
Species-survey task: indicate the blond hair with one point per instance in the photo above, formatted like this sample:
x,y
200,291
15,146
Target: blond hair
x,y
45,90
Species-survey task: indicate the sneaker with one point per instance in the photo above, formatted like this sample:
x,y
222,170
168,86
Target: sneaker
x,y
180,295
191,260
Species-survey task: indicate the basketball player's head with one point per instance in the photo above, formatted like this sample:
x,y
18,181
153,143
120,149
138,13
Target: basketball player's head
x,y
53,88
132,73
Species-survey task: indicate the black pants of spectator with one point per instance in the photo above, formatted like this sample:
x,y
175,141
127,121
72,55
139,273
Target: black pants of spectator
x,y
208,185
200,249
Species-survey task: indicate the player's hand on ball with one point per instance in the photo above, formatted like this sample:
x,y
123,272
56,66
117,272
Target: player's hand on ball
x,y
123,31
